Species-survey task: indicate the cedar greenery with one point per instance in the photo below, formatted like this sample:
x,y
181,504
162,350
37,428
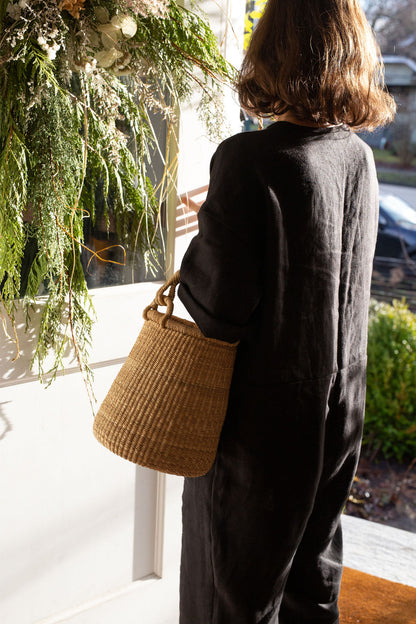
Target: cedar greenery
x,y
79,83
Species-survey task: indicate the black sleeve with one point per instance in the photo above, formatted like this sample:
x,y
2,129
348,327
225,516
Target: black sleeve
x,y
221,271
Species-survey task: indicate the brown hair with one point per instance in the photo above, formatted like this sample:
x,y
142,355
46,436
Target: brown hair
x,y
319,60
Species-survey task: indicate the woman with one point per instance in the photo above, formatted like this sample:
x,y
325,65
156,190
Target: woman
x,y
282,262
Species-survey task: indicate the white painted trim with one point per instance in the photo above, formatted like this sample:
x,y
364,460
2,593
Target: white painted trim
x,y
140,585
160,524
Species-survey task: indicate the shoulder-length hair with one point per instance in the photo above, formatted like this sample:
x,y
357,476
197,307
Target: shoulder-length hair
x,y
319,60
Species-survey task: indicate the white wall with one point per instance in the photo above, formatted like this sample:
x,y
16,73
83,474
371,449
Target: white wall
x,y
196,149
78,525
76,521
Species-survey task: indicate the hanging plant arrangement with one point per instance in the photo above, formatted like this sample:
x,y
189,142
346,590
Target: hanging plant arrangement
x,y
79,79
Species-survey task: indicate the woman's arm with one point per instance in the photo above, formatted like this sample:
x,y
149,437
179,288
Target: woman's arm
x,y
221,271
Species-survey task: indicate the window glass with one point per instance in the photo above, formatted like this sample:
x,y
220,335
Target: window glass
x,y
107,258
398,210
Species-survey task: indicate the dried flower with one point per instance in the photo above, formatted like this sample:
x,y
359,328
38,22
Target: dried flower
x,y
110,35
51,50
72,6
148,7
106,58
108,28
102,14
93,38
89,67
126,23
14,11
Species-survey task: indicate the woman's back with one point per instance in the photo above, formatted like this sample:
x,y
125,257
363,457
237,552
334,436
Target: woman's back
x,y
300,208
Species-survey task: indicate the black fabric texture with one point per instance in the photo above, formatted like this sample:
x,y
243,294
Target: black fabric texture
x,y
282,262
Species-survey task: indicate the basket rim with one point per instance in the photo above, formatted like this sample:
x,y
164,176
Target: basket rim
x,y
186,327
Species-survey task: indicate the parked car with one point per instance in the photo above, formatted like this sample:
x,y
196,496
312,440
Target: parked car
x,y
394,268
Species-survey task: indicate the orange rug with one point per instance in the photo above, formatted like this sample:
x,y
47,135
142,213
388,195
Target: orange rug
x,y
367,599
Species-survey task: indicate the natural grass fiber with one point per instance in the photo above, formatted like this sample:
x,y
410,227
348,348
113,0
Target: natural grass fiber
x,y
166,407
367,599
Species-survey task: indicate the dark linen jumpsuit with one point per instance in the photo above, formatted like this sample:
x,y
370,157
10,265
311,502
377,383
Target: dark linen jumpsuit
x,y
282,262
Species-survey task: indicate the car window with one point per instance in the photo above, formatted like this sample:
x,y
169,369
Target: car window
x,y
382,218
397,209
389,246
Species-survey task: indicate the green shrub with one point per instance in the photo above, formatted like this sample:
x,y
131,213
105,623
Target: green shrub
x,y
390,425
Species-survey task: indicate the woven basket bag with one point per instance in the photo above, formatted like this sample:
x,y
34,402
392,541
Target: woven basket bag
x,y
166,407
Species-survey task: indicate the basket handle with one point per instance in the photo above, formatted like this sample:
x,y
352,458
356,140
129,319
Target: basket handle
x,y
164,300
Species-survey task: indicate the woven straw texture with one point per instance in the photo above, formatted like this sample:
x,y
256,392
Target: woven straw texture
x,y
166,407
